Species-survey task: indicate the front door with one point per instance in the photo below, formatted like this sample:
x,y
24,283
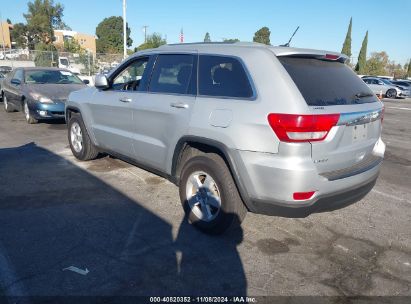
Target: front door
x,y
112,108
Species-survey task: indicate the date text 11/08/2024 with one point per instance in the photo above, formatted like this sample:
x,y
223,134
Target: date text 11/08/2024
x,y
203,300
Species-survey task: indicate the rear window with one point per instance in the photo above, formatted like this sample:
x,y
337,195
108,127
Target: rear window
x,y
327,83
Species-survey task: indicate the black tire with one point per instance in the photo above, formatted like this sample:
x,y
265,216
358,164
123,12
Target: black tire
x,y
88,151
29,118
6,105
391,93
232,210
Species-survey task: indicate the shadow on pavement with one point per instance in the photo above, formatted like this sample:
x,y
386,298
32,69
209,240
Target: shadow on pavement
x,y
54,215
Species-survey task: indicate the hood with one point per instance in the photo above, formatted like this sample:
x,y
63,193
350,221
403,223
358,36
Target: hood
x,y
54,91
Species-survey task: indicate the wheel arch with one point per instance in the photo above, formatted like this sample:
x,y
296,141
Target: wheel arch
x,y
207,145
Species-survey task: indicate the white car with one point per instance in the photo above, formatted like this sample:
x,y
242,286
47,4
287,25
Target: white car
x,y
383,86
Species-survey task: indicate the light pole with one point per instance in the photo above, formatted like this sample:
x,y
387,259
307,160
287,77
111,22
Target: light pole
x,y
145,32
124,29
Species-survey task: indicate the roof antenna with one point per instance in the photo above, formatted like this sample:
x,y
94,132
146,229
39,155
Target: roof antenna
x,y
292,36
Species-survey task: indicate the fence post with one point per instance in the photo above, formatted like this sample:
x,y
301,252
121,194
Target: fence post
x,y
88,61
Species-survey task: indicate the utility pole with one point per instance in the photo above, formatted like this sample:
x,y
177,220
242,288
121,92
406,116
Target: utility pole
x,y
124,29
145,32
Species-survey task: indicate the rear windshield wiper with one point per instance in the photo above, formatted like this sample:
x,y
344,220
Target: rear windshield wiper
x,y
362,95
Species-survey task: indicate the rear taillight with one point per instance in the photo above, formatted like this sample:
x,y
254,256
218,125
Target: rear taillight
x,y
302,128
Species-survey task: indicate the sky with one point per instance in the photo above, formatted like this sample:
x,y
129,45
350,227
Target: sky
x,y
323,24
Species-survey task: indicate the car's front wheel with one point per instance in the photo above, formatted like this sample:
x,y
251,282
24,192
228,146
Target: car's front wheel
x,y
6,105
391,93
29,118
80,144
209,195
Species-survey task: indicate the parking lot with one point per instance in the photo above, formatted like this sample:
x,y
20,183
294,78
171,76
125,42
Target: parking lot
x,y
125,229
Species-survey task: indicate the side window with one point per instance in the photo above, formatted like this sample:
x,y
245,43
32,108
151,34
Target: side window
x,y
174,74
223,76
130,77
18,75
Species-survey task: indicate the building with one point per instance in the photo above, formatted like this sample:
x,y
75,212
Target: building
x,y
88,42
5,37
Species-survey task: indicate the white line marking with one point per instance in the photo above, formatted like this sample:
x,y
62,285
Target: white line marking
x,y
77,270
391,196
398,108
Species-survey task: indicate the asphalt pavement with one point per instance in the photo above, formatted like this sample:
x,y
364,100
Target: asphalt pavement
x,y
106,227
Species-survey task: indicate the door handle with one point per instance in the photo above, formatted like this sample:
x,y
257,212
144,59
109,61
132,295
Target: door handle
x,y
179,105
125,99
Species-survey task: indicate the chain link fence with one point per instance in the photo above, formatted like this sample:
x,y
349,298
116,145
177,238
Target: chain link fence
x,y
85,63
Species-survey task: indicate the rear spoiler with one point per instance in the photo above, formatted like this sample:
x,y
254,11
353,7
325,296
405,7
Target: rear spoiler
x,y
308,53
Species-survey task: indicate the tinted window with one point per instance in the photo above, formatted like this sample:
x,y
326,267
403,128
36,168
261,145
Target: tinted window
x,y
18,75
130,77
326,83
173,74
223,76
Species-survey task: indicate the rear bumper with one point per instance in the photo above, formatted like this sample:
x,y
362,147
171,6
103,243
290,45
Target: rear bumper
x,y
269,182
322,204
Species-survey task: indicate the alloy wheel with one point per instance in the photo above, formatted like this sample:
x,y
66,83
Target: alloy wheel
x,y
76,137
203,196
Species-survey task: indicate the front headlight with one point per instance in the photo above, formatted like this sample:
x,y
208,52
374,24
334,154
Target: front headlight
x,y
40,98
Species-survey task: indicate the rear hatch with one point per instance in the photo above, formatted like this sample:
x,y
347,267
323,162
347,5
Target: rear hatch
x,y
332,90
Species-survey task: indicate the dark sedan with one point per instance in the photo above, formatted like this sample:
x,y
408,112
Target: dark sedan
x,y
39,92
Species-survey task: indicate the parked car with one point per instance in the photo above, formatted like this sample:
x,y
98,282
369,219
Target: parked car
x,y
64,63
237,127
378,85
5,69
39,92
403,85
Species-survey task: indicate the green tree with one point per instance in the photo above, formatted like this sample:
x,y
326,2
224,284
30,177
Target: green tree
x,y
409,69
110,35
72,46
361,67
377,64
153,41
207,37
19,35
46,55
262,35
9,21
346,49
43,17
231,40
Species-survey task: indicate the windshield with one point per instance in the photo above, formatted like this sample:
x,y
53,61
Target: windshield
x,y
386,81
327,83
51,76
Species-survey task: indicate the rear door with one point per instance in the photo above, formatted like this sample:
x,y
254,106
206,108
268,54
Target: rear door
x,y
331,87
161,115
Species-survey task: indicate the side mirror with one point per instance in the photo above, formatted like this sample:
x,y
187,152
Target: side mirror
x,y
15,81
101,82
86,81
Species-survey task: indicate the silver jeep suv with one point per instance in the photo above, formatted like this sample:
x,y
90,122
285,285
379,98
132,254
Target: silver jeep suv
x,y
272,130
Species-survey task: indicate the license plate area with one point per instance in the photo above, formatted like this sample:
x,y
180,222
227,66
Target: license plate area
x,y
359,132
